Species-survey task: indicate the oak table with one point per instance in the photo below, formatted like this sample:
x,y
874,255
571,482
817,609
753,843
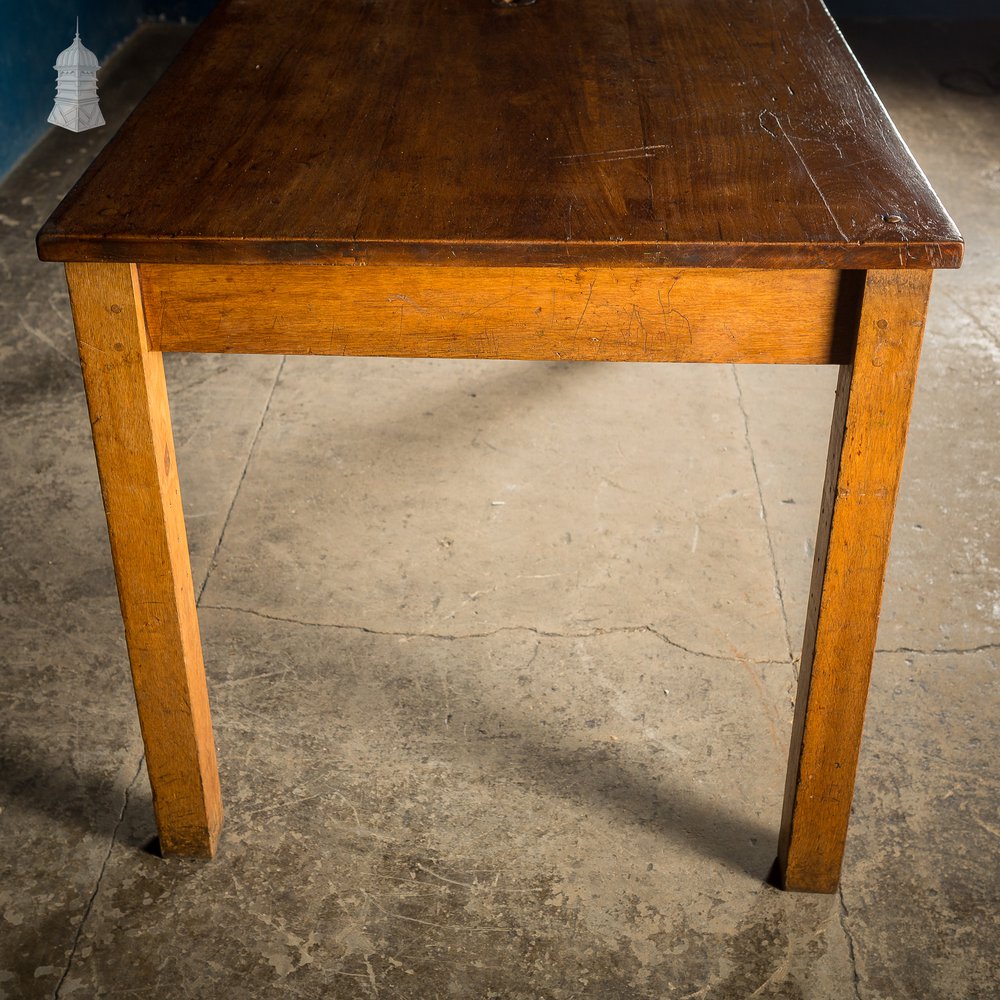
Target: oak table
x,y
692,181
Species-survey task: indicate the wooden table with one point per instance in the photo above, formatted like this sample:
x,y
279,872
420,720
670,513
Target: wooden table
x,y
699,180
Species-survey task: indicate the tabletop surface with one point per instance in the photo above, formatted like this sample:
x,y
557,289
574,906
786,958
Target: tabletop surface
x,y
639,132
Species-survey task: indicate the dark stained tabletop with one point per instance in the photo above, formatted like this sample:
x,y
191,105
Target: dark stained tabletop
x,y
688,132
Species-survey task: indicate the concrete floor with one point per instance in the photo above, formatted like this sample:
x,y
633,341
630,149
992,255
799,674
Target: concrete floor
x,y
501,655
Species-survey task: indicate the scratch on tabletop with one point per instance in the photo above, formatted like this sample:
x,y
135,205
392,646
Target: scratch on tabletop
x,y
805,166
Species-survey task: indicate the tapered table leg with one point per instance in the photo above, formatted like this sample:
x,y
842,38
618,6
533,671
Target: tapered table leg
x,y
126,395
870,420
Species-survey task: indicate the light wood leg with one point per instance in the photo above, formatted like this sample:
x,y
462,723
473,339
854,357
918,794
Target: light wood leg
x,y
870,420
126,395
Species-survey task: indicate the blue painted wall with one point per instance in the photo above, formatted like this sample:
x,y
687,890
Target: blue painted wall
x,y
34,32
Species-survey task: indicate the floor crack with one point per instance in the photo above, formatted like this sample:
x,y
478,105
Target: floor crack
x,y
239,485
850,942
35,332
97,885
931,652
763,513
532,629
980,326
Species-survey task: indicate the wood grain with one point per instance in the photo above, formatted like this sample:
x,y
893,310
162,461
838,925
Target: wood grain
x,y
609,314
868,437
126,396
698,133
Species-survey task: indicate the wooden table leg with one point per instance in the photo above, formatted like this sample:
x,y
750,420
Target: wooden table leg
x,y
126,395
870,420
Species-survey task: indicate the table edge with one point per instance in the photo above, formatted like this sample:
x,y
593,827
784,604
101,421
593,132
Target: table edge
x,y
902,255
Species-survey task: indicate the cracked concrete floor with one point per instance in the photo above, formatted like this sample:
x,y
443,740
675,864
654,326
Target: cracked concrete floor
x,y
500,655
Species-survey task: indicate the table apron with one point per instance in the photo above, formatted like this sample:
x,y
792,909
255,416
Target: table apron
x,y
718,315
